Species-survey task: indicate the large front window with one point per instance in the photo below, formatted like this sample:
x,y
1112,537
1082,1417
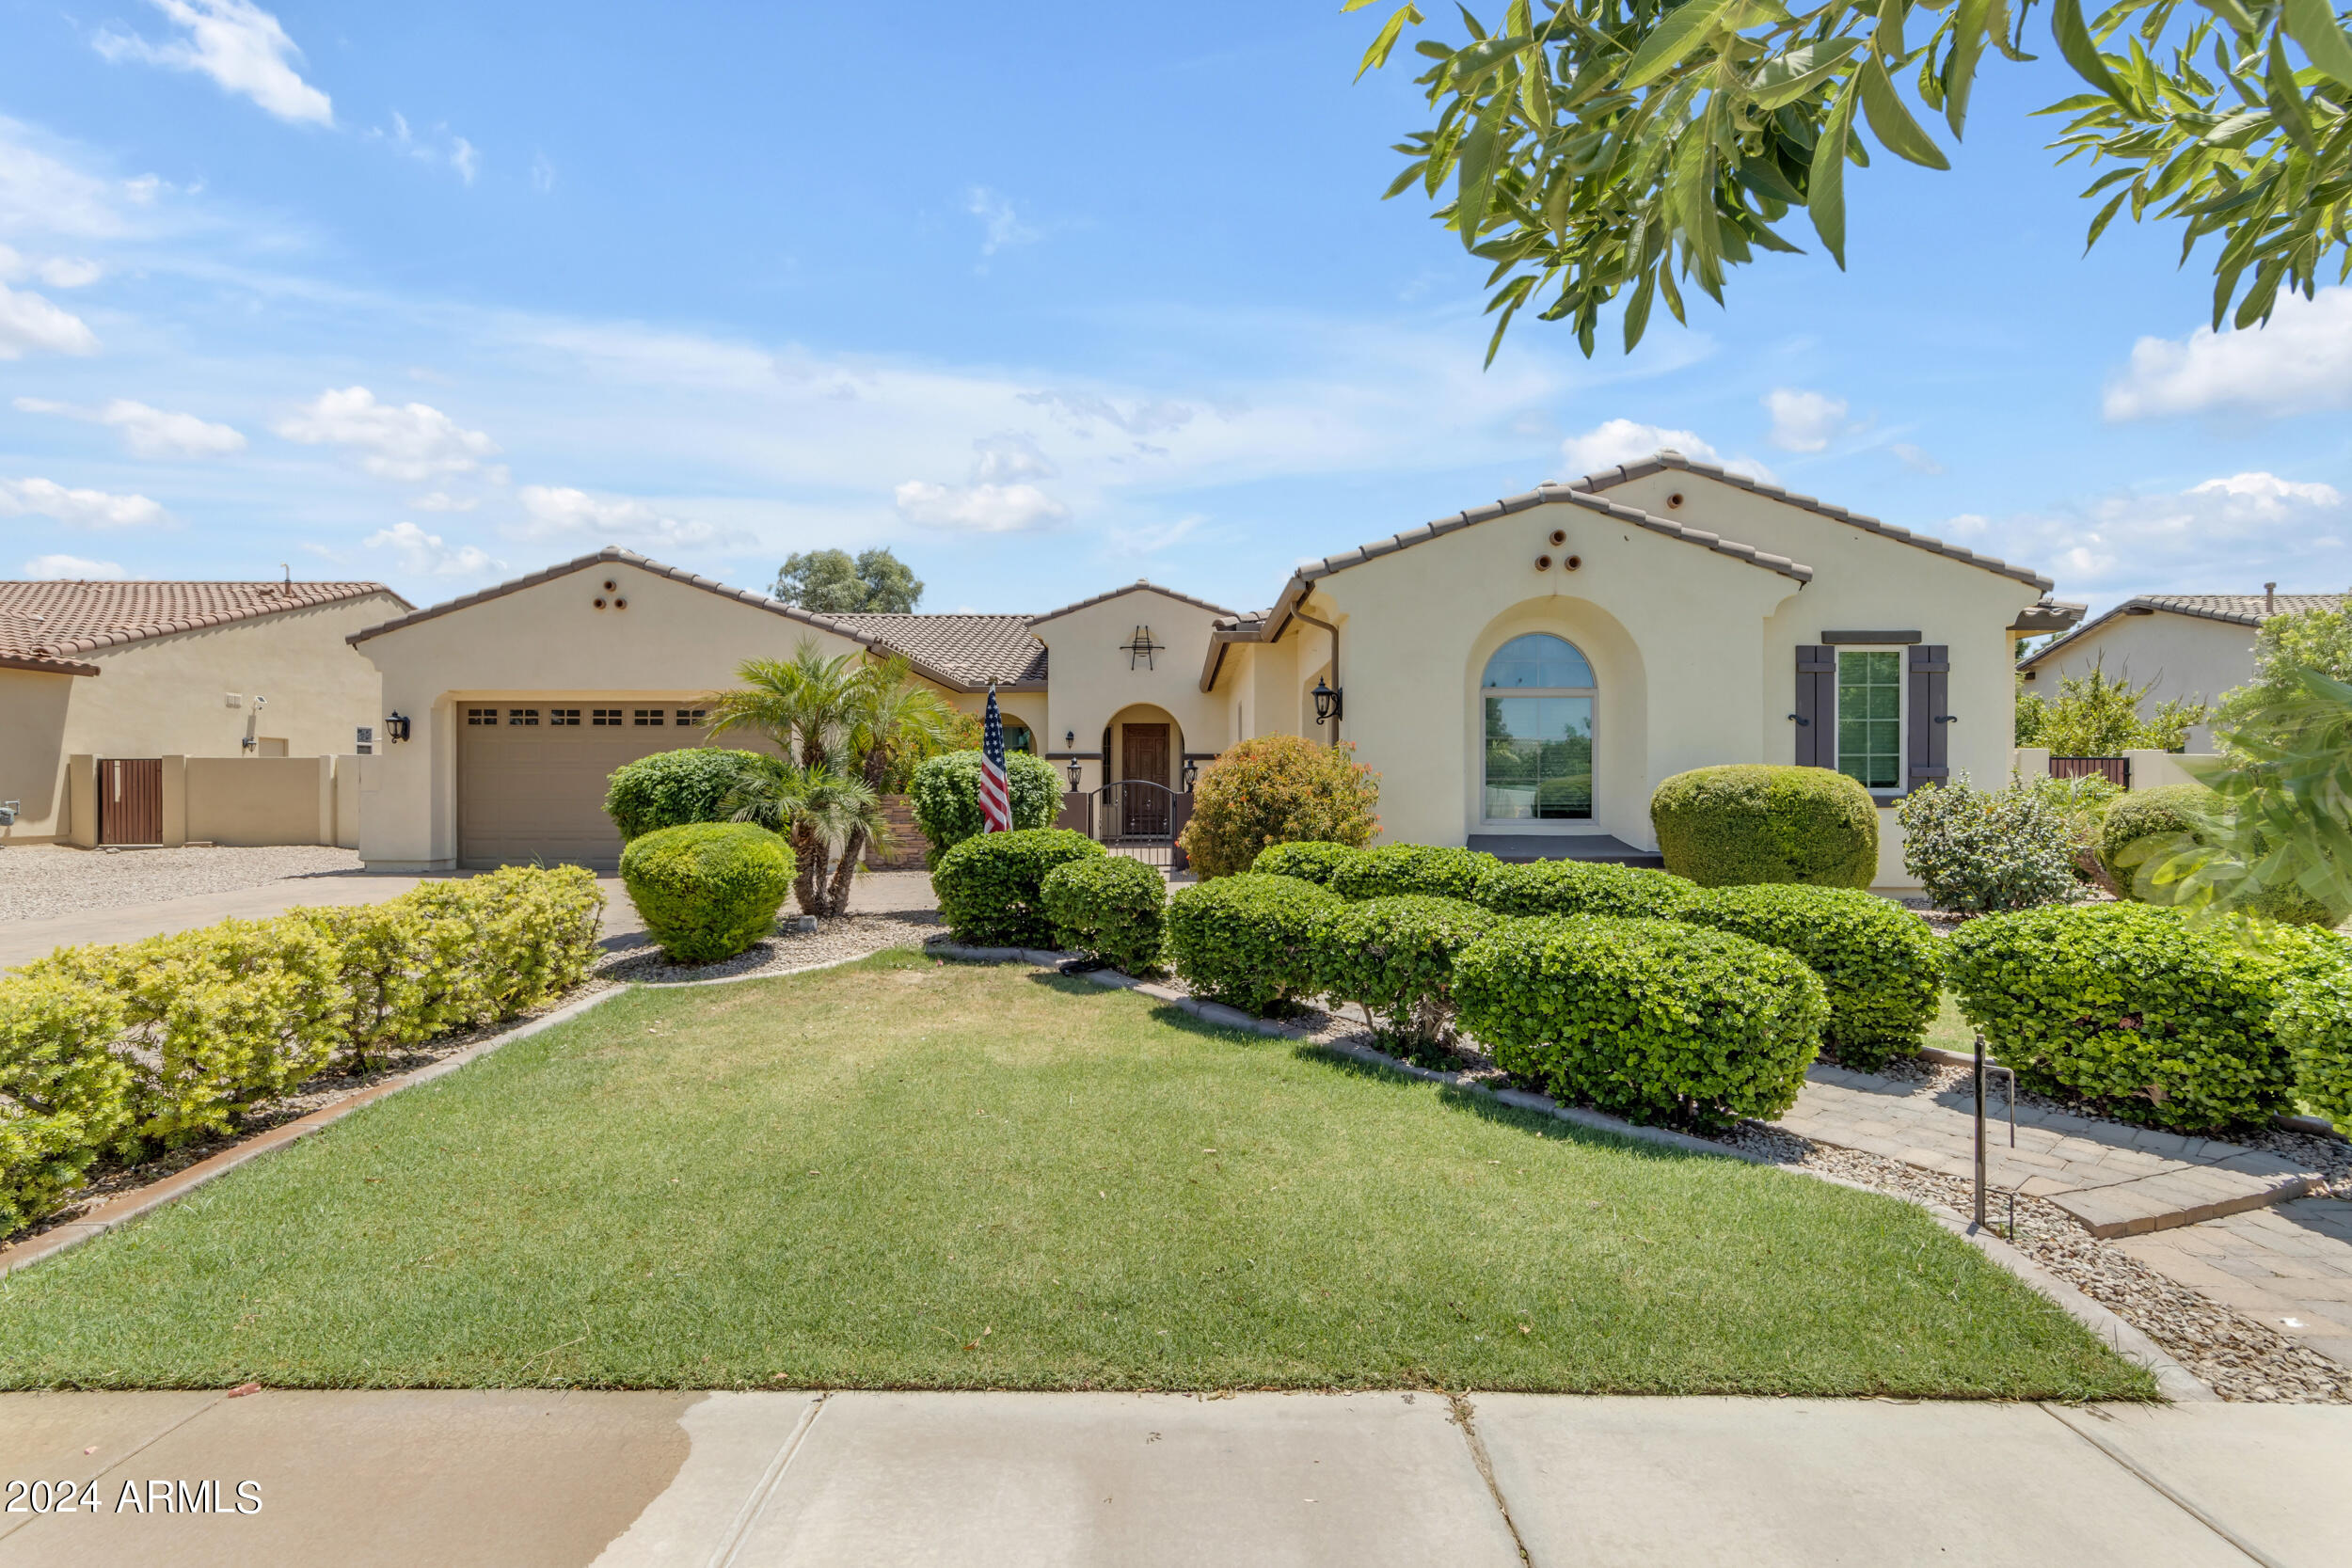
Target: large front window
x,y
1871,716
1538,695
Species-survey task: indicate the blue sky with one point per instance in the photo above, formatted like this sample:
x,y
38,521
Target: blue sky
x,y
1046,298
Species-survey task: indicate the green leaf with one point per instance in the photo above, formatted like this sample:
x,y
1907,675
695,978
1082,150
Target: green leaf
x,y
1637,310
1674,39
1892,123
1797,74
1970,25
1826,183
2312,25
2286,99
1377,55
1411,174
1472,65
2099,224
2075,43
2231,12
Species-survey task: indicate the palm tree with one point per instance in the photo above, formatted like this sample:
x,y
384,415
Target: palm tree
x,y
893,721
826,812
802,705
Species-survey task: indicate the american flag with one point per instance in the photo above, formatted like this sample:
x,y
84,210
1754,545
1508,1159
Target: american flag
x,y
996,801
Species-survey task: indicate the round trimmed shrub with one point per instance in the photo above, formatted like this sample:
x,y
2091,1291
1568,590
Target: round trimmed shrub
x,y
1278,789
707,889
1652,1020
2129,1005
1249,939
1310,861
946,795
2314,1021
992,887
1394,957
1881,966
1983,851
1582,887
1399,870
1111,908
670,790
2134,835
1749,822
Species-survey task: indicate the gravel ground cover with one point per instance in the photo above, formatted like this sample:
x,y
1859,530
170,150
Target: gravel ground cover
x,y
636,960
41,881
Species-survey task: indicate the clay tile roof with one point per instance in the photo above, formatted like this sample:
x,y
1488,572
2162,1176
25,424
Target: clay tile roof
x,y
43,624
2242,609
1141,585
977,649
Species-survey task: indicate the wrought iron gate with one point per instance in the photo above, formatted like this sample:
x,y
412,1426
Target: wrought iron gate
x,y
1142,819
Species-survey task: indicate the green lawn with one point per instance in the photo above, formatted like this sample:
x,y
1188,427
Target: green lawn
x,y
908,1174
1951,1031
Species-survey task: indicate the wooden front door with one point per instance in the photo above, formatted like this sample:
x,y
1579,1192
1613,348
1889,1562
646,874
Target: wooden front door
x,y
1143,760
131,800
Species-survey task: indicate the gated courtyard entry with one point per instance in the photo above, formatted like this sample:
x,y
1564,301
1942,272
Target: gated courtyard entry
x,y
131,800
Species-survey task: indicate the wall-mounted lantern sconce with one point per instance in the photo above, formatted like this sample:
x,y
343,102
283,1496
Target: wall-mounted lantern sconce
x,y
1069,741
395,729
1192,771
1327,701
1072,769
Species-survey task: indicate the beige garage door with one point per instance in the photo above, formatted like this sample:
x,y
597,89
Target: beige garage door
x,y
531,776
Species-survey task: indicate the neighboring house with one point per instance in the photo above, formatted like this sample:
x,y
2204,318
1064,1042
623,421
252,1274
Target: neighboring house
x,y
1521,674
2189,646
141,670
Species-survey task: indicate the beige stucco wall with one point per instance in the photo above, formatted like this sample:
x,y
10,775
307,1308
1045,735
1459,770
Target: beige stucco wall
x,y
1091,684
167,695
245,801
2173,655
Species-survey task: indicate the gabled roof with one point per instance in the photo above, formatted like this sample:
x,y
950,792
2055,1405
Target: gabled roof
x,y
42,624
2237,610
1268,627
1659,461
1141,585
977,648
924,660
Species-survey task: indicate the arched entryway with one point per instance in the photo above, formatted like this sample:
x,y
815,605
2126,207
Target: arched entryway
x,y
1144,752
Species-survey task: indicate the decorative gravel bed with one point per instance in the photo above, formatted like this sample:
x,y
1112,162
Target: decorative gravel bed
x,y
41,881
851,936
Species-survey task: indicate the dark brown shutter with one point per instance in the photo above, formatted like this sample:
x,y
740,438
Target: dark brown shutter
x,y
1816,708
1928,742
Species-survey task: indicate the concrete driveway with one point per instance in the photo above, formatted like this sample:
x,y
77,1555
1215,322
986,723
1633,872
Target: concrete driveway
x,y
653,1479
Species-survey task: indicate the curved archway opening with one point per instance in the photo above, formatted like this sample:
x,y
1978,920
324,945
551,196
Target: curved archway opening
x,y
1536,695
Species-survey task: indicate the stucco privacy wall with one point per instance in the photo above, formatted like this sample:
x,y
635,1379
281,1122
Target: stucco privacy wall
x,y
248,801
2175,656
1094,681
168,696
1671,631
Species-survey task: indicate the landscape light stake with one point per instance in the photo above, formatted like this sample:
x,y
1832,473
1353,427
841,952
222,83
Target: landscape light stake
x,y
1980,1071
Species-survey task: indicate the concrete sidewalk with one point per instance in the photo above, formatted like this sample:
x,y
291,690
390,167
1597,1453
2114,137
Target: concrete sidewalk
x,y
760,1481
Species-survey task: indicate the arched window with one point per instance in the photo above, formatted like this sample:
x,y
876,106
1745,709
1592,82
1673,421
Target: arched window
x,y
1538,695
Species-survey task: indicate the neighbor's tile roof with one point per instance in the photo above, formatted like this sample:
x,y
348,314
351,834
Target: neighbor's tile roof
x,y
2241,610
1141,585
977,649
43,624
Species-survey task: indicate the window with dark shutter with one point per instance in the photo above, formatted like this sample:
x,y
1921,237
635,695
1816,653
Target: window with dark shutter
x,y
1929,743
1817,678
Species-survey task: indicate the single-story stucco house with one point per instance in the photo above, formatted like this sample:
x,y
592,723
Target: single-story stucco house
x,y
1521,674
2189,646
129,674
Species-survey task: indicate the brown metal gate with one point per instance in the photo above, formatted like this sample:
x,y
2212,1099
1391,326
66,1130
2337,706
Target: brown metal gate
x,y
131,800
2116,770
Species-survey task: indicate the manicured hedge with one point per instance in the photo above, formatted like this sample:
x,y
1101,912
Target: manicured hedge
x,y
991,887
2314,1021
1249,939
2129,1005
1582,887
1111,908
946,795
1312,861
116,1051
1881,966
670,790
1397,870
1753,823
1653,1019
708,890
1394,957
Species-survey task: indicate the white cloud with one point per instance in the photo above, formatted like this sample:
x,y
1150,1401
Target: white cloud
x,y
148,431
457,151
2224,535
542,174
56,568
464,158
1615,441
41,193
28,322
1001,227
2261,494
1009,457
428,555
1141,416
1804,422
1913,458
442,500
236,43
91,509
58,271
410,442
2301,360
980,508
551,511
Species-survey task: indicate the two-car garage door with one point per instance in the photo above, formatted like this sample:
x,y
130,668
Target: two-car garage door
x,y
531,776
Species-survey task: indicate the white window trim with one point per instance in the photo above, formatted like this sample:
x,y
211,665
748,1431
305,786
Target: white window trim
x,y
1902,714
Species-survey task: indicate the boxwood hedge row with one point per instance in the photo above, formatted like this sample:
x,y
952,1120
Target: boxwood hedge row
x,y
1881,967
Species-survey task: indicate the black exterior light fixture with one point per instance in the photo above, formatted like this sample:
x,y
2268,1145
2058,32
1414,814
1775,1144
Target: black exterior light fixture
x,y
1192,773
1327,701
395,728
1072,769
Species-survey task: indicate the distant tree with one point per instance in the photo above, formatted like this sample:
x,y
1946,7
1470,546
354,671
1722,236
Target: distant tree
x,y
2316,640
2098,716
833,582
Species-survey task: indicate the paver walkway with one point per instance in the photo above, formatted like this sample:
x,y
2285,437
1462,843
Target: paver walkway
x,y
526,1479
2117,1181
2289,1266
